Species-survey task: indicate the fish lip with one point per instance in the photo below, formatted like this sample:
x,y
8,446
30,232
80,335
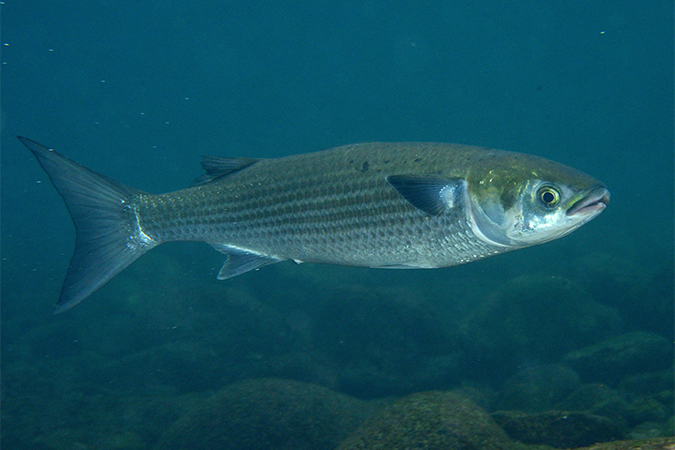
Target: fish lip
x,y
594,203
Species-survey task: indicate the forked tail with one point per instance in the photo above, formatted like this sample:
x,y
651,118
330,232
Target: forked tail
x,y
108,236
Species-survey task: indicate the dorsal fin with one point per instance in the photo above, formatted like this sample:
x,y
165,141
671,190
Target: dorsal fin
x,y
217,167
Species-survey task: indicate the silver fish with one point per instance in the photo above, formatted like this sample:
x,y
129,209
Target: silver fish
x,y
389,205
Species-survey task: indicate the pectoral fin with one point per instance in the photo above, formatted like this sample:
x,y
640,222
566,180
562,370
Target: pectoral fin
x,y
432,194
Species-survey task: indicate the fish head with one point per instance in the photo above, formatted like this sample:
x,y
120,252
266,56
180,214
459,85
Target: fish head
x,y
521,200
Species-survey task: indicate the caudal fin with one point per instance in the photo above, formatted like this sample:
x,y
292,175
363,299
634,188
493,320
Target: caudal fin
x,y
108,235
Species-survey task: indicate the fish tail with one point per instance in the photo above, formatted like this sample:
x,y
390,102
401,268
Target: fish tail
x,y
108,238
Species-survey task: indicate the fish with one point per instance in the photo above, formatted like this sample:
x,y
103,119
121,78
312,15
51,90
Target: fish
x,y
378,205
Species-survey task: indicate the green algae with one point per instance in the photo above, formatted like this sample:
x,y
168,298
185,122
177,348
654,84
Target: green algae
x,y
429,420
667,443
558,429
267,414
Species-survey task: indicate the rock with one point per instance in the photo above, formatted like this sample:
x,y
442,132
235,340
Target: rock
x,y
538,388
648,383
431,421
602,272
649,304
647,409
267,414
620,356
557,429
481,395
181,366
642,444
648,430
597,399
385,345
536,318
646,414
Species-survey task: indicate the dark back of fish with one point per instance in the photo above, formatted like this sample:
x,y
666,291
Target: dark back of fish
x,y
334,206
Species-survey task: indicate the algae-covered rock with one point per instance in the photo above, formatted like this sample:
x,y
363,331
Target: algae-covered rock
x,y
649,304
603,272
535,318
597,399
645,414
385,345
557,429
642,444
649,430
182,366
267,414
538,388
648,383
429,420
628,354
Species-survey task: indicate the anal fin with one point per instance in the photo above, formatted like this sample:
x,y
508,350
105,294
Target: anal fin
x,y
240,261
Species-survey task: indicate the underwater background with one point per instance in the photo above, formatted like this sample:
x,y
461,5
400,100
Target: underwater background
x,y
563,344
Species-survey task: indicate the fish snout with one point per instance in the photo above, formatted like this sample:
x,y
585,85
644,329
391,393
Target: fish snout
x,y
593,203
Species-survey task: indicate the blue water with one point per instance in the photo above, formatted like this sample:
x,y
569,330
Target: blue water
x,y
140,90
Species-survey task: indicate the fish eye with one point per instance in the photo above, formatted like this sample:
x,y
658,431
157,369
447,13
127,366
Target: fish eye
x,y
549,196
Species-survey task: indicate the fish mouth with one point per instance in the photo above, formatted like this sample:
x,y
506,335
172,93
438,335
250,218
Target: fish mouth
x,y
593,203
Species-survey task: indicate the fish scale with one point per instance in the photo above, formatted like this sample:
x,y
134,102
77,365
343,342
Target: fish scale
x,y
398,205
312,218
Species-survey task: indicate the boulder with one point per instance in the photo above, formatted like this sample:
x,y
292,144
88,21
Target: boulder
x,y
269,414
431,421
557,429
